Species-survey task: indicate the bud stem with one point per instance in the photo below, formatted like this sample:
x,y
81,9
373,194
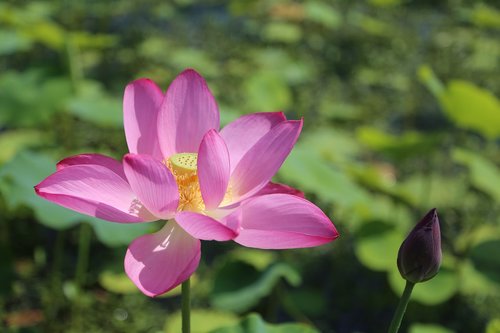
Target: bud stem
x,y
400,311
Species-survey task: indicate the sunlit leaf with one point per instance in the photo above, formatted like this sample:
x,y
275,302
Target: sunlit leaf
x,y
13,41
409,144
253,323
484,261
377,246
432,190
17,179
474,283
472,107
14,141
266,91
322,13
247,287
117,282
94,105
202,321
485,16
437,290
117,234
493,326
30,99
306,170
282,32
485,175
260,259
428,328
25,170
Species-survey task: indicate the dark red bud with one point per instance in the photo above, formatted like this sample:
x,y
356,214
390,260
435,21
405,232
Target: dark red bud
x,y
419,257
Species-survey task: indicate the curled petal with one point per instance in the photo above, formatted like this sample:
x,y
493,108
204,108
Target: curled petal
x,y
262,161
273,188
153,184
204,227
93,159
241,134
159,262
188,111
213,169
281,221
96,191
141,104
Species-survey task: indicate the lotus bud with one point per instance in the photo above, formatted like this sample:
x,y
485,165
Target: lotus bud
x,y
419,257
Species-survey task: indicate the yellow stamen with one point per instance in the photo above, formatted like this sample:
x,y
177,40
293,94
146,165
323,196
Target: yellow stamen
x,y
184,168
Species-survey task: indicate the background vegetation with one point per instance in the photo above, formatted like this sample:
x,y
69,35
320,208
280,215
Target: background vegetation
x,y
398,98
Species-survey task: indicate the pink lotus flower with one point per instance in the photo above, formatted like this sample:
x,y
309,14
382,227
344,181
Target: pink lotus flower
x,y
208,184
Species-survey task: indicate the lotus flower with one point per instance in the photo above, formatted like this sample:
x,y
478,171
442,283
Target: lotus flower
x,y
207,184
419,257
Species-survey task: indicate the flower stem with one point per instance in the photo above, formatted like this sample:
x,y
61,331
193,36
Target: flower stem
x,y
186,307
400,311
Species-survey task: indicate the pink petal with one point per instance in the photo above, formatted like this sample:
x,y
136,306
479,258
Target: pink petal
x,y
262,161
96,191
272,188
204,227
188,111
93,159
241,134
153,184
281,221
141,104
159,262
213,169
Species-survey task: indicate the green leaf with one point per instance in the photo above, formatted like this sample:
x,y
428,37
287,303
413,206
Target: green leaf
x,y
493,326
266,91
202,321
282,32
94,105
117,282
13,41
484,174
30,99
475,283
435,291
406,145
306,169
17,179
323,139
291,69
118,234
378,245
14,141
428,328
432,190
25,170
484,261
472,107
253,323
485,16
260,259
322,13
247,288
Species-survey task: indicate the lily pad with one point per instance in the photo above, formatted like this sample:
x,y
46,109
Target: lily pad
x,y
238,286
253,323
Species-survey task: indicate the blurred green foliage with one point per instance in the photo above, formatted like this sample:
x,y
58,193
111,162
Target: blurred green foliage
x,y
401,109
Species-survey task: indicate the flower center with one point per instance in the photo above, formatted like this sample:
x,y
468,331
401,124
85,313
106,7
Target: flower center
x,y
184,168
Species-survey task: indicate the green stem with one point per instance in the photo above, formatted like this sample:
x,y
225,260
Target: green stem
x,y
83,254
400,311
186,307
